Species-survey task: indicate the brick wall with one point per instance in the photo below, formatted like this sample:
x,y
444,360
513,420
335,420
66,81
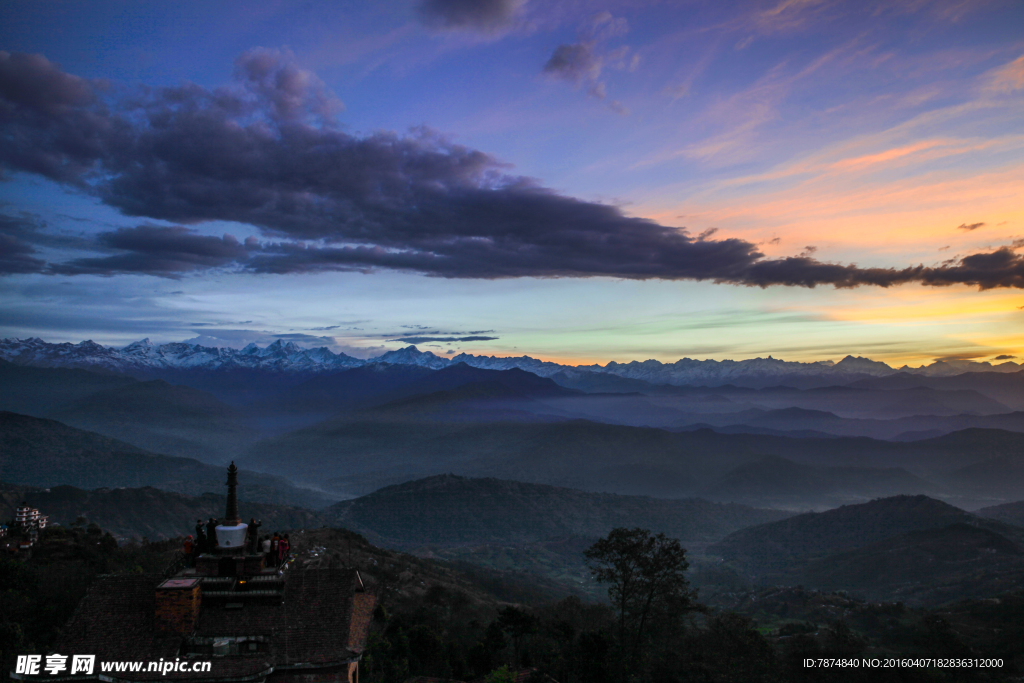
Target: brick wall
x,y
177,607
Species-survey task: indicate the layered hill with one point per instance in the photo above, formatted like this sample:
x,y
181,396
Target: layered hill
x,y
37,391
482,430
1010,513
725,405
488,401
324,396
46,453
452,510
776,481
163,418
1007,388
362,452
802,419
153,415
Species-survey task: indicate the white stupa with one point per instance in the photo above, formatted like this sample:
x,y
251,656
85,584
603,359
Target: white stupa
x,y
232,533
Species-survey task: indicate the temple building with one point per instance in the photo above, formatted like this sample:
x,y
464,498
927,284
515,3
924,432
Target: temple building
x,y
228,618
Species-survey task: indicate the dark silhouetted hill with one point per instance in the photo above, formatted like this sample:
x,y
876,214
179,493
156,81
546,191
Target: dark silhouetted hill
x,y
925,567
452,510
780,547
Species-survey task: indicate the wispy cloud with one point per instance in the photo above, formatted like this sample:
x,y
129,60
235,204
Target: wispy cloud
x,y
1007,78
425,339
583,62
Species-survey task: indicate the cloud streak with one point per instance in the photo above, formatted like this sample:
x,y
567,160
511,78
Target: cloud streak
x,y
156,250
16,252
485,16
267,150
424,340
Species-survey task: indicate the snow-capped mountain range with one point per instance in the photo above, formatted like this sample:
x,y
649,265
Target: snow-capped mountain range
x,y
143,356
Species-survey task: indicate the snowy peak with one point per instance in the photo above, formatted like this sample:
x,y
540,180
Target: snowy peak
x,y
410,355
141,346
286,356
143,356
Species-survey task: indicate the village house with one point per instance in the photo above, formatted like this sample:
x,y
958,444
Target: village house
x,y
29,518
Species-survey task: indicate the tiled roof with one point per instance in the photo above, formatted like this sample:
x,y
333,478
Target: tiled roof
x,y
115,622
317,616
310,626
362,613
519,676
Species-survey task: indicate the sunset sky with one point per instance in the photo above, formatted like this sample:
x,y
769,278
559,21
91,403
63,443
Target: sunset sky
x,y
575,181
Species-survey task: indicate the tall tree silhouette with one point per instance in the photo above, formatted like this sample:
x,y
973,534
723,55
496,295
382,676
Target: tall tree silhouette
x,y
644,572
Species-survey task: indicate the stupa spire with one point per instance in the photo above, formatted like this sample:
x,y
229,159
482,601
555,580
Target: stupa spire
x,y
231,517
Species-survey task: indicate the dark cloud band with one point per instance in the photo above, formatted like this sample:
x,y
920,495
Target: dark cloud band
x,y
266,150
158,250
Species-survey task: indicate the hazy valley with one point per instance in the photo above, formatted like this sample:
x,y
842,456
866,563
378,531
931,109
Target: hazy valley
x,y
895,487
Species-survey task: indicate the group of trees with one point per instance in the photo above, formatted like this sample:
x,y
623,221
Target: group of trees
x,y
644,633
652,630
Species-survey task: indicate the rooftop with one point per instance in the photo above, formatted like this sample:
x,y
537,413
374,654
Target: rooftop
x,y
319,620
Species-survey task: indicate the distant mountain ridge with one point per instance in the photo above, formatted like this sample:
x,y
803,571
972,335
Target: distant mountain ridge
x,y
287,357
451,510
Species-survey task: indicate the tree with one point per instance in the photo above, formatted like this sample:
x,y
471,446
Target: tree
x,y
517,624
502,675
644,572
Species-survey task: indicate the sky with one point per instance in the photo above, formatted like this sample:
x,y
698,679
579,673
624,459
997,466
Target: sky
x,y
575,181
